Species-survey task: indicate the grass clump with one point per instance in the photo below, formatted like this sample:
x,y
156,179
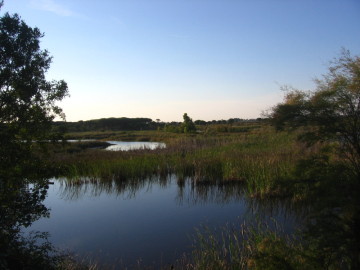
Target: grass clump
x,y
253,246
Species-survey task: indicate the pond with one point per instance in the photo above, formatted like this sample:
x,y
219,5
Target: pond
x,y
152,220
125,146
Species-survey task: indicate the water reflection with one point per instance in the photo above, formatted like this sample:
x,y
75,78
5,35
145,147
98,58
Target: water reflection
x,y
112,220
284,207
151,219
95,187
21,204
192,193
126,146
188,191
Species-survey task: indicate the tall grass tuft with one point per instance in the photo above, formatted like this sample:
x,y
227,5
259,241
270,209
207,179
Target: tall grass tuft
x,y
252,246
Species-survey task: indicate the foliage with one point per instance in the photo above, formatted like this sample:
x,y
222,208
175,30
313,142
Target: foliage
x,y
27,99
331,112
173,127
112,124
331,190
188,125
329,120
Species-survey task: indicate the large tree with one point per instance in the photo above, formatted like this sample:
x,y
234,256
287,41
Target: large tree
x,y
27,98
331,112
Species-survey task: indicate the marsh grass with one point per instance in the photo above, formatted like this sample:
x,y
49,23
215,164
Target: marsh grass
x,y
248,246
260,159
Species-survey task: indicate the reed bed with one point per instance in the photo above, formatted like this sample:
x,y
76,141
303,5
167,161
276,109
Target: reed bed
x,y
249,246
259,158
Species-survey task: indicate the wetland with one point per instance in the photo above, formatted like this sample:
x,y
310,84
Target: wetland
x,y
211,200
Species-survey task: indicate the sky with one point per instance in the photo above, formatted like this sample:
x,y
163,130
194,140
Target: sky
x,y
213,59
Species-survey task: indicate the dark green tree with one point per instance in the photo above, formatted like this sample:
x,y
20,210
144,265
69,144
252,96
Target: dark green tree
x,y
329,115
188,125
331,112
27,99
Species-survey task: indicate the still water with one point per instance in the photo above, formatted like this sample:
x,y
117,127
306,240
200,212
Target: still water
x,y
125,146
148,220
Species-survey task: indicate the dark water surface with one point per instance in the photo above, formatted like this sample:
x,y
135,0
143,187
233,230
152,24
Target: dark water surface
x,y
151,220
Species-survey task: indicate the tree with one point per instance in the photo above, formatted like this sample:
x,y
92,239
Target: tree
x,y
331,112
188,125
27,99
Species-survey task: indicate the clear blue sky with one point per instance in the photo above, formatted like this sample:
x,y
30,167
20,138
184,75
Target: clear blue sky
x,y
214,59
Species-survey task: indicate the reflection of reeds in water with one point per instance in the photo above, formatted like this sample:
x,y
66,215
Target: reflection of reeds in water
x,y
195,193
188,192
73,189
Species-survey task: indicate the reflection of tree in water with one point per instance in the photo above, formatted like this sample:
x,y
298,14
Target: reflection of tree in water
x,y
21,203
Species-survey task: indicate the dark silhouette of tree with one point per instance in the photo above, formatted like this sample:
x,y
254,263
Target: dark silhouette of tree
x,y
188,125
27,99
331,112
112,123
331,115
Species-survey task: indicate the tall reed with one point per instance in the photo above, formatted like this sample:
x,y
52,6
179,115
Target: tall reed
x,y
249,246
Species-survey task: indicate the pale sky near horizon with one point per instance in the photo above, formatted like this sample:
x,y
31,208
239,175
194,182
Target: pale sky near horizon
x,y
213,59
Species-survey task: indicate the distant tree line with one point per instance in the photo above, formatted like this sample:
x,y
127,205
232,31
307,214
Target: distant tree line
x,y
229,121
190,126
124,123
115,124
